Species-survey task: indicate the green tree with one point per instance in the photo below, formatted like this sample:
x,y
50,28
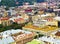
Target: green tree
x,y
8,2
1,25
59,6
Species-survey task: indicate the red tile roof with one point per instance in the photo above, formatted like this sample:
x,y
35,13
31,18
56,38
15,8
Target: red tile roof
x,y
20,19
5,18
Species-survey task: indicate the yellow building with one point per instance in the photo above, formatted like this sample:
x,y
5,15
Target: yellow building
x,y
5,21
5,14
41,12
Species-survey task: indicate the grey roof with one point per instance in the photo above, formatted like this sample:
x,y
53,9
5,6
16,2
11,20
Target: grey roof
x,y
6,40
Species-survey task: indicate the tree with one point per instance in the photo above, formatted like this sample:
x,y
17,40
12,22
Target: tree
x,y
1,25
8,2
59,6
7,8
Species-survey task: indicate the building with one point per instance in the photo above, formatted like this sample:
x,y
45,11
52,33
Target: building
x,y
53,0
5,21
19,21
16,36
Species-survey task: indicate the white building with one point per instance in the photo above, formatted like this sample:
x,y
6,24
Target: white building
x,y
53,0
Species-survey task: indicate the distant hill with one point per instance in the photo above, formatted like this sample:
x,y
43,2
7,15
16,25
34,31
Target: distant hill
x,y
40,1
20,2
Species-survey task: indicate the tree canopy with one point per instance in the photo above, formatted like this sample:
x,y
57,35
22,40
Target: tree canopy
x,y
13,2
8,2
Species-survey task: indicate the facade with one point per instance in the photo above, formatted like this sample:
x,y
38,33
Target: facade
x,y
5,21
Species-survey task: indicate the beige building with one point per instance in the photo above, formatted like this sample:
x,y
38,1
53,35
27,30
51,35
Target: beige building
x,y
5,21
